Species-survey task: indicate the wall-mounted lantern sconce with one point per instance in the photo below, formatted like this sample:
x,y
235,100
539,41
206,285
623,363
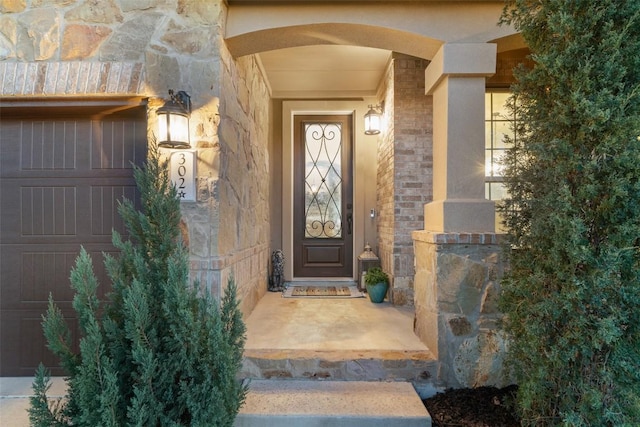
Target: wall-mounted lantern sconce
x,y
173,121
373,120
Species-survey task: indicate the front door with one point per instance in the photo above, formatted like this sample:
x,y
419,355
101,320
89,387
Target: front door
x,y
323,196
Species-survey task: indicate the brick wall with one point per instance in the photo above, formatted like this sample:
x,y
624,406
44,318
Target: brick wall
x,y
404,170
71,78
385,179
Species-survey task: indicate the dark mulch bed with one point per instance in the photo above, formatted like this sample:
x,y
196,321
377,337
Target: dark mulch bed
x,y
473,407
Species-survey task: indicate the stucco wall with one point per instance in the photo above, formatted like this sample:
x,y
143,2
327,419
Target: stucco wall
x,y
126,48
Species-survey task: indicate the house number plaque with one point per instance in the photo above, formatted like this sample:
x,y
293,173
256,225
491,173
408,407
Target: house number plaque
x,y
182,170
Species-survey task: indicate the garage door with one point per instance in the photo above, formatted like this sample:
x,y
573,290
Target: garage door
x,y
62,174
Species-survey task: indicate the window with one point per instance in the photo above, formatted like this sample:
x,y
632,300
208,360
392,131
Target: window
x,y
498,125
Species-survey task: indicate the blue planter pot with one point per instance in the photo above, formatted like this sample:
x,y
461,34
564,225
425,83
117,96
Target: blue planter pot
x,y
377,291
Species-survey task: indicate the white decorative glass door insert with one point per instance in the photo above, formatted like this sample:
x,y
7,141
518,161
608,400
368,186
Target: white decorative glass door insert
x,y
323,180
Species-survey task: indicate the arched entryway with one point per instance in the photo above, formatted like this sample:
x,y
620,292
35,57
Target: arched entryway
x,y
458,45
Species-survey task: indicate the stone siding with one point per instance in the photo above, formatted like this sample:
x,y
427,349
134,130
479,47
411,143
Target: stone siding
x,y
417,367
143,48
244,176
457,284
404,171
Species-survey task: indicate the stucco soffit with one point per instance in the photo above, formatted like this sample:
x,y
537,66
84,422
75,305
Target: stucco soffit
x,y
333,34
431,23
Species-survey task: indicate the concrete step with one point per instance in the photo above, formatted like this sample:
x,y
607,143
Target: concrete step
x,y
341,365
313,403
277,403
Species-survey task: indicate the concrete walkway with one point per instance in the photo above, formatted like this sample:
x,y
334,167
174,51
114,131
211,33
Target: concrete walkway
x,y
276,404
14,399
305,403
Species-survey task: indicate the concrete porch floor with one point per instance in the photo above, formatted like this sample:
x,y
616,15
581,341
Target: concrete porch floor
x,y
330,324
342,339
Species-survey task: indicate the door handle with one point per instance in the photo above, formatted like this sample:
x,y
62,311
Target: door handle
x,y
349,222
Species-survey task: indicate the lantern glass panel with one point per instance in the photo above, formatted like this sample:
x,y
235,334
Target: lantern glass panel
x,y
162,127
374,122
179,126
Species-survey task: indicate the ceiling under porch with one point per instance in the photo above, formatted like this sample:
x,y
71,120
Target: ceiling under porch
x,y
326,71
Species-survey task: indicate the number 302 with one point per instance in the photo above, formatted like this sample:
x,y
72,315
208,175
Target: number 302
x,y
182,171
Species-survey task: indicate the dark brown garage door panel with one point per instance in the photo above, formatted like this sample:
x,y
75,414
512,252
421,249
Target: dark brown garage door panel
x,y
104,208
48,211
61,183
49,145
46,267
115,150
23,329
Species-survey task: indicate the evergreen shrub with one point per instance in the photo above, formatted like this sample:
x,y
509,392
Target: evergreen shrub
x,y
572,295
158,351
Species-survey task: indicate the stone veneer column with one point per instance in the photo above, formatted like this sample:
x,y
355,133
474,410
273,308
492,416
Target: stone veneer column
x,y
457,255
457,284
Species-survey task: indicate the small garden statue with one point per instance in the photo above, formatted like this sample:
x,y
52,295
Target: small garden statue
x,y
276,281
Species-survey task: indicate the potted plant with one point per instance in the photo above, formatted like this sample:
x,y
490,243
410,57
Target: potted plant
x,y
377,282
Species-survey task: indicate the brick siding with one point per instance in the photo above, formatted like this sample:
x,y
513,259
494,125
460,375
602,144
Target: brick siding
x,y
404,170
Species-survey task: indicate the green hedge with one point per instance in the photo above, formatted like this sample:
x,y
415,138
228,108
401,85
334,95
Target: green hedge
x,y
572,294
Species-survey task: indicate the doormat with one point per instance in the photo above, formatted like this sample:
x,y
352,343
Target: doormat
x,y
322,292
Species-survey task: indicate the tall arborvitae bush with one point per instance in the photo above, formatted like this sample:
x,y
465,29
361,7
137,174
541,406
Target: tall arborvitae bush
x,y
572,295
158,351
